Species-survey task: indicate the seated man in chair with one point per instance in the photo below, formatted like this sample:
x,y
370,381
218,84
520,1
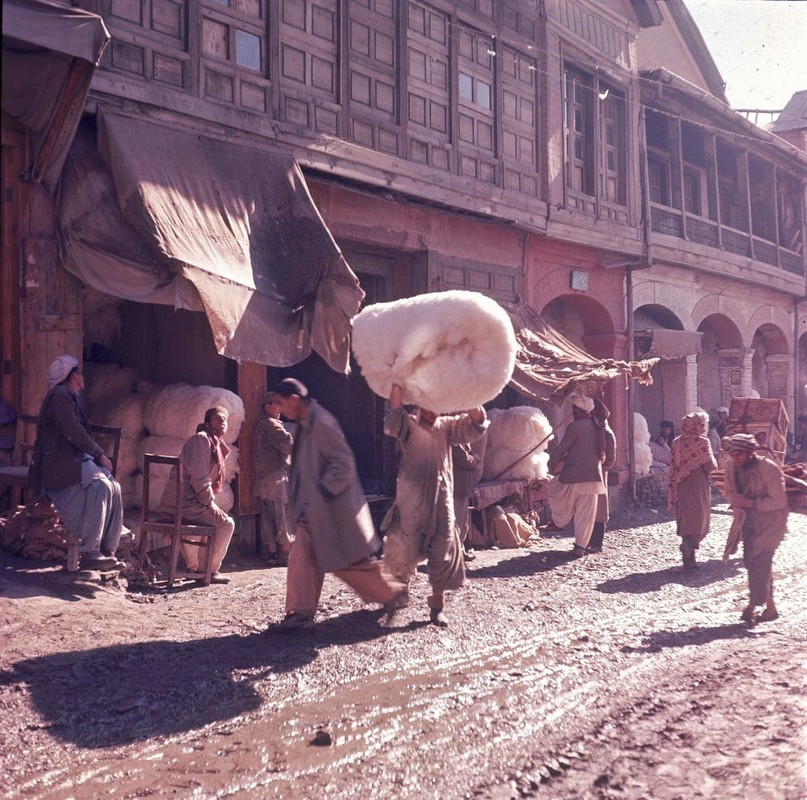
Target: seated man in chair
x,y
71,469
202,466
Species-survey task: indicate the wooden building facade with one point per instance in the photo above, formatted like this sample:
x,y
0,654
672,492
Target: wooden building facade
x,y
574,155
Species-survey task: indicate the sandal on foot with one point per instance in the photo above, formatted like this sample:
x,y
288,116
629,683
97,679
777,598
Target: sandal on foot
x,y
438,618
768,615
749,616
577,551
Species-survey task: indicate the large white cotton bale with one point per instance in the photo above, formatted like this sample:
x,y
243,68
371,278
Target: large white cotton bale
x,y
225,499
449,351
176,410
512,433
642,458
642,455
641,431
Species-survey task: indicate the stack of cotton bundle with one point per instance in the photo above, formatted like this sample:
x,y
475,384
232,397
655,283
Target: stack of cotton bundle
x,y
449,351
176,410
171,416
512,433
112,399
642,456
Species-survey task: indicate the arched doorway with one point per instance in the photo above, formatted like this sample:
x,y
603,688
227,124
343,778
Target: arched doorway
x,y
770,362
719,362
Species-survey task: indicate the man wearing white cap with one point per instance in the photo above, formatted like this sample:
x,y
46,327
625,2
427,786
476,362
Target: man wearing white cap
x,y
578,460
72,470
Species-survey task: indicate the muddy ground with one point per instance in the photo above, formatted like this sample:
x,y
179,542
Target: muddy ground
x,y
613,676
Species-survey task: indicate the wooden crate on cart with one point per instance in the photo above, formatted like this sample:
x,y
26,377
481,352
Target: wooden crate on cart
x,y
765,418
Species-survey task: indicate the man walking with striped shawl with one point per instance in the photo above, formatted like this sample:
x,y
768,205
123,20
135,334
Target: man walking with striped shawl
x,y
689,492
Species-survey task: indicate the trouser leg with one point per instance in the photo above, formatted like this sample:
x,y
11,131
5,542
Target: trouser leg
x,y
268,529
103,516
114,521
760,579
303,577
372,581
585,511
597,535
193,549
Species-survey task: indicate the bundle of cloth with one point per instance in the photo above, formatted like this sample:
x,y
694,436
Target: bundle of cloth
x,y
171,416
449,351
512,453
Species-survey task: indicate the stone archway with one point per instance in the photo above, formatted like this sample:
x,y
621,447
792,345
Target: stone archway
x,y
720,362
588,324
670,396
771,363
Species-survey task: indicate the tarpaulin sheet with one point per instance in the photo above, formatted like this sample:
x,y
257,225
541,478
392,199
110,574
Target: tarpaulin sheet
x,y
49,56
669,344
163,215
549,365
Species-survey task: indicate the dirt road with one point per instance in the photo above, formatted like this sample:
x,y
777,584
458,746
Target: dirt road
x,y
613,676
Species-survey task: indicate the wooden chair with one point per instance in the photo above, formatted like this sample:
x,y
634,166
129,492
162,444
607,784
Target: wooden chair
x,y
107,436
16,475
172,524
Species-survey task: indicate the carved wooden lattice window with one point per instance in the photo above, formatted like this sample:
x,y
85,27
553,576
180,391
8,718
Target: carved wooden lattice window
x,y
161,55
596,137
427,103
476,115
613,167
519,120
309,63
579,127
373,73
234,31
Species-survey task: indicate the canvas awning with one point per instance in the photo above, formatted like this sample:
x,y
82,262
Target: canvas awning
x,y
49,56
548,364
668,344
162,215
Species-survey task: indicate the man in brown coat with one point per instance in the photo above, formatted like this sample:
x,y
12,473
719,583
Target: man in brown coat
x,y
333,528
71,469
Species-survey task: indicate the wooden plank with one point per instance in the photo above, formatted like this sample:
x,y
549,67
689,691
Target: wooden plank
x,y
251,388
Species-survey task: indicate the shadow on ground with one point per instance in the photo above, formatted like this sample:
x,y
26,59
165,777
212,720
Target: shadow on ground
x,y
518,566
661,640
116,695
645,582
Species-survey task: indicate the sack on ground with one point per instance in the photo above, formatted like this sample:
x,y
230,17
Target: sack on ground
x,y
508,528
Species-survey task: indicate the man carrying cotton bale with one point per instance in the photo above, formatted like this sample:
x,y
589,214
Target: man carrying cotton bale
x,y
73,471
420,524
333,527
201,463
272,455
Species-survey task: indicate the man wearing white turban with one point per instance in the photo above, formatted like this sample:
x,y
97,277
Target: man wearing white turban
x,y
577,461
71,469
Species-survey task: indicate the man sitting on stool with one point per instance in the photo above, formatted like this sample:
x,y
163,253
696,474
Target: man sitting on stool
x,y
70,468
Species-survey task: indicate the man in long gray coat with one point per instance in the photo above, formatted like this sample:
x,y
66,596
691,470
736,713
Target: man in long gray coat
x,y
334,530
